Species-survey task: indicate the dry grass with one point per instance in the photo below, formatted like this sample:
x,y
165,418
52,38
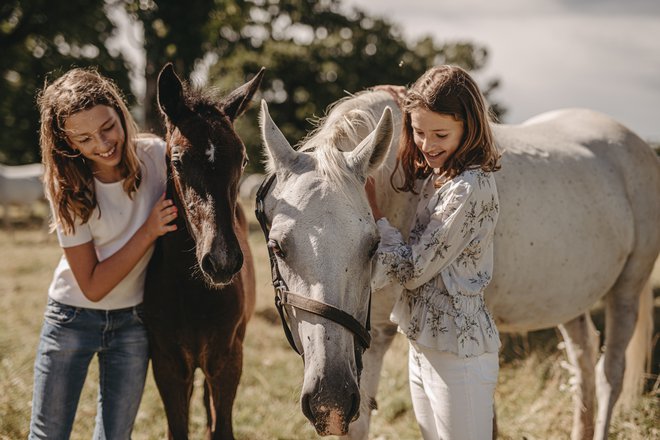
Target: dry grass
x,y
533,400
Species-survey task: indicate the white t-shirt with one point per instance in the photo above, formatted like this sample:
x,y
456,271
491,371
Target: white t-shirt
x,y
110,228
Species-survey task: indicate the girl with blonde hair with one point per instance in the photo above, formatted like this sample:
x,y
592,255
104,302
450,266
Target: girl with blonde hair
x,y
106,188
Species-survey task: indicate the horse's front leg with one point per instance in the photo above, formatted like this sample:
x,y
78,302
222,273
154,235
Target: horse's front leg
x,y
582,346
174,375
382,335
223,373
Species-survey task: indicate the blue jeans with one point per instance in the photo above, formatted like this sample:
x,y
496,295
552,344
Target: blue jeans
x,y
70,337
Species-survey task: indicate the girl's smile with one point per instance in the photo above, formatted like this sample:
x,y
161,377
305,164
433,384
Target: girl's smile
x,y
109,153
436,135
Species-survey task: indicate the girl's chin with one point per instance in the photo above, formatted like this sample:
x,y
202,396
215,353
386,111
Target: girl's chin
x,y
437,162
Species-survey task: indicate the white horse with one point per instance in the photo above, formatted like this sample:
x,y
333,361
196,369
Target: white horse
x,y
579,216
20,185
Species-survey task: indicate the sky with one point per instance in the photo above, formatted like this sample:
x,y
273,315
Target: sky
x,y
547,54
551,54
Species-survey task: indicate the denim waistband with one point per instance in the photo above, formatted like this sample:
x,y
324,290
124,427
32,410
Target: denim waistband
x,y
111,311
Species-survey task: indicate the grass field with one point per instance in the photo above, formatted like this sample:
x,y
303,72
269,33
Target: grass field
x,y
533,395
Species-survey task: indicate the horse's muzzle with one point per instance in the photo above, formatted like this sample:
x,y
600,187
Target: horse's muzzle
x,y
331,415
220,271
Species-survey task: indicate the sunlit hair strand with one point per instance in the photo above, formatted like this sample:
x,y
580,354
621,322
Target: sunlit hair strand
x,y
68,179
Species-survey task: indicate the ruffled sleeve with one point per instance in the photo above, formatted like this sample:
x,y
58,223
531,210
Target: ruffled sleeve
x,y
452,225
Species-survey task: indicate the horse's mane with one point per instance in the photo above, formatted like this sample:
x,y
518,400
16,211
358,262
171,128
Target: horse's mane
x,y
347,122
201,100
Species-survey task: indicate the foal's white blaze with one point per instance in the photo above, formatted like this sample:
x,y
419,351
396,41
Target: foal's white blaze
x,y
210,152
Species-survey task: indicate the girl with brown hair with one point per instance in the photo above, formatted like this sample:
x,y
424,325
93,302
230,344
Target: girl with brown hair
x,y
447,156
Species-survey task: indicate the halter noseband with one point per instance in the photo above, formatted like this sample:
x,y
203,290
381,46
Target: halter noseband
x,y
284,297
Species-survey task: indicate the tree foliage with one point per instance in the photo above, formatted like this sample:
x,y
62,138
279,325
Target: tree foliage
x,y
314,52
38,37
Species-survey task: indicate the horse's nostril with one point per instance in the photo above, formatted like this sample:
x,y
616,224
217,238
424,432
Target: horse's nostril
x,y
209,264
306,408
238,264
354,412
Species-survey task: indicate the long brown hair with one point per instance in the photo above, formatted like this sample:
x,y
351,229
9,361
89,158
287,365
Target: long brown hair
x,y
448,90
68,178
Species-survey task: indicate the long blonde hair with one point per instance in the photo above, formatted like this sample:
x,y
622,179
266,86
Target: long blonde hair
x,y
68,179
448,90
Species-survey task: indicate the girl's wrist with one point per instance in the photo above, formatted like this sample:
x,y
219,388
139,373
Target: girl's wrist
x,y
148,236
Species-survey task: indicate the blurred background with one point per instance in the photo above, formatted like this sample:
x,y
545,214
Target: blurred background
x,y
528,57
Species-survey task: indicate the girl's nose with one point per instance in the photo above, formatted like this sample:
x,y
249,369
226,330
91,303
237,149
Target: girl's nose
x,y
426,145
102,140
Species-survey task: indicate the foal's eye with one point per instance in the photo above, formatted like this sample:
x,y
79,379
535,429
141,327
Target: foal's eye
x,y
175,158
176,164
275,247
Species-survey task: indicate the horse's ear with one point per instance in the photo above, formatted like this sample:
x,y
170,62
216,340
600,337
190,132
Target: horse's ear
x,y
238,101
371,152
170,93
278,149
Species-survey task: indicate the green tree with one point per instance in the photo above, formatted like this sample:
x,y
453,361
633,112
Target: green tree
x,y
38,37
180,34
315,52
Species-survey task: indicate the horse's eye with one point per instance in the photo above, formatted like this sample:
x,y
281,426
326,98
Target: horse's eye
x,y
176,164
245,161
275,247
175,157
373,249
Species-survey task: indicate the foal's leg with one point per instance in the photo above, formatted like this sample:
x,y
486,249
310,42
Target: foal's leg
x,y
223,372
174,377
582,343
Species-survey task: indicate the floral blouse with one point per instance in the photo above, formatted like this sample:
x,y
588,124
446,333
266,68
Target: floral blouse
x,y
445,265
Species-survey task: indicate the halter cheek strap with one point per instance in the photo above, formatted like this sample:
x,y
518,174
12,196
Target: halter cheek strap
x,y
284,297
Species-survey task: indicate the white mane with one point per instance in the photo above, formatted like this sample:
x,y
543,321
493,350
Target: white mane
x,y
347,123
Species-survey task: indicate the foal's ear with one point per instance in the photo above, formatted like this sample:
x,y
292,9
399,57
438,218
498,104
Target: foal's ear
x,y
371,152
238,101
170,94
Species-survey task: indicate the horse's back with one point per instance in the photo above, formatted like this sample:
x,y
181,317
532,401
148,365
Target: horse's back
x,y
21,184
576,191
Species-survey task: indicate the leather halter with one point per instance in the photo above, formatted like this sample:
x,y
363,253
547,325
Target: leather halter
x,y
284,297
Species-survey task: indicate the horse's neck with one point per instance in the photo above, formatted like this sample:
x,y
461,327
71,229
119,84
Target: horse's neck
x,y
397,206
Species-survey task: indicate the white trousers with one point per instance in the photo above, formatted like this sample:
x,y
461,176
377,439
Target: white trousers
x,y
452,396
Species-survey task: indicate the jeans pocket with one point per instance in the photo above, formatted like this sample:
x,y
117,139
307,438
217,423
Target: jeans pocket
x,y
138,313
59,314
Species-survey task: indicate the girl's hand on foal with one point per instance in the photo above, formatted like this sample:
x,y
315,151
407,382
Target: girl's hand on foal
x,y
163,213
